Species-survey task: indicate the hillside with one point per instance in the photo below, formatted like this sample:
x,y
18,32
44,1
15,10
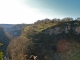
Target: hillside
x,y
7,27
16,29
48,39
4,39
13,29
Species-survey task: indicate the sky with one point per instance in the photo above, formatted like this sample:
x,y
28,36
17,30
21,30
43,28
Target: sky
x,y
29,11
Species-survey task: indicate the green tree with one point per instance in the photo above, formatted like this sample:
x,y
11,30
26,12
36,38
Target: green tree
x,y
1,53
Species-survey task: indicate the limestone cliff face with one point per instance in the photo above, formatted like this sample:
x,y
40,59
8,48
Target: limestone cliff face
x,y
77,29
58,30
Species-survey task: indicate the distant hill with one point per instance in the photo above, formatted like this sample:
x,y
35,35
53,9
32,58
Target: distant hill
x,y
13,29
16,29
7,27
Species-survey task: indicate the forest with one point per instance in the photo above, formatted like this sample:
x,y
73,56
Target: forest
x,y
47,39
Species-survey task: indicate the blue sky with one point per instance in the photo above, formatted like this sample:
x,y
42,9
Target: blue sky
x,y
64,8
29,11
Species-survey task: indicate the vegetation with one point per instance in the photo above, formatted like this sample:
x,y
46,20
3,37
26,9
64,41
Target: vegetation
x,y
47,40
1,53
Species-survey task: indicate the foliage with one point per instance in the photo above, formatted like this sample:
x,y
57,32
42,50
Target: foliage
x,y
1,55
42,37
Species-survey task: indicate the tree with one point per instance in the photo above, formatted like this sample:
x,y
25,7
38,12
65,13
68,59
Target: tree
x,y
1,53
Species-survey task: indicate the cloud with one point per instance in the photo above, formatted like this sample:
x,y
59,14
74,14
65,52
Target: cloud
x,y
16,11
